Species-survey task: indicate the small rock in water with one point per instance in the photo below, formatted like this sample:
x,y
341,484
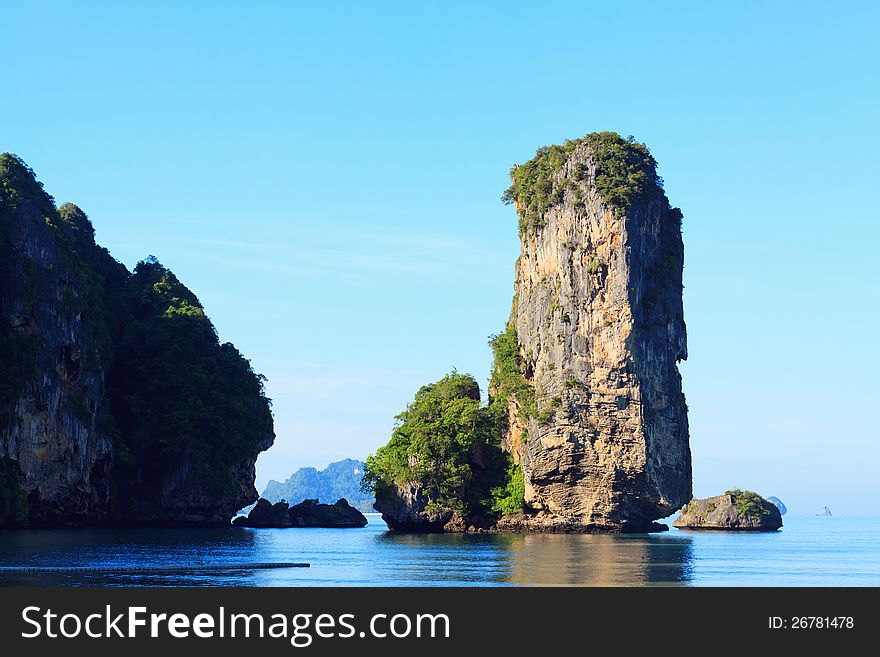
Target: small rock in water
x,y
740,510
308,513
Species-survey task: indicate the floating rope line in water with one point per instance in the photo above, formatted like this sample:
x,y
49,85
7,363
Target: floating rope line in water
x,y
147,569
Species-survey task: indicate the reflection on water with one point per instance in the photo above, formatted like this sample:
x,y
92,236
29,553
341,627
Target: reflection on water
x,y
808,551
552,559
599,560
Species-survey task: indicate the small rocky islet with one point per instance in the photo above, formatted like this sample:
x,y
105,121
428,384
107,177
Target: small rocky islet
x,y
308,513
735,510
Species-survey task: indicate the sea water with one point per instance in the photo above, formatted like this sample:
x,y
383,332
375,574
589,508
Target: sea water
x,y
807,551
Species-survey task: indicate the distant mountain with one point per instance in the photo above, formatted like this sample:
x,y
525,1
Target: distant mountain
x,y
339,479
778,503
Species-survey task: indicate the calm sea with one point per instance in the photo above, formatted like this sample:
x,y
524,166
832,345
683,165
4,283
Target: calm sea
x,y
808,551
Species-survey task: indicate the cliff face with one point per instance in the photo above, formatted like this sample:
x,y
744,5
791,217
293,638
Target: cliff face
x,y
60,391
98,367
598,316
586,427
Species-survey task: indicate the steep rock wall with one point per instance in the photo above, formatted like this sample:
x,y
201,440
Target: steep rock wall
x,y
62,395
598,315
118,404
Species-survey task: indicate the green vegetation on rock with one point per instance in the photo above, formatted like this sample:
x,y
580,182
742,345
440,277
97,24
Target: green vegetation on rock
x,y
625,172
433,442
177,393
508,498
749,503
96,276
546,414
18,183
447,445
507,381
138,357
17,350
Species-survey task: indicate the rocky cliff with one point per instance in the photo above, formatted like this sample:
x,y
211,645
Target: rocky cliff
x,y
51,350
598,317
586,405
117,402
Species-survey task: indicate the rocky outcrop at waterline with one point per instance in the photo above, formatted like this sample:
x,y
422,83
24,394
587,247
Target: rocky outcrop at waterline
x,y
735,510
118,404
585,397
308,513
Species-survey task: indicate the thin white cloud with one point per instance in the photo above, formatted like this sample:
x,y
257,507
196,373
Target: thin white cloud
x,y
308,381
381,249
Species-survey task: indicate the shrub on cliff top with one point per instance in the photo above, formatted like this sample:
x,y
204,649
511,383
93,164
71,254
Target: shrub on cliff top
x,y
432,442
749,503
625,172
18,183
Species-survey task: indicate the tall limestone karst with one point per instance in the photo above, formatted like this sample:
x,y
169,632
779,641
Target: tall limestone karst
x,y
586,404
601,433
118,404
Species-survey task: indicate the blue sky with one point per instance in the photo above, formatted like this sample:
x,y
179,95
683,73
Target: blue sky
x,y
327,180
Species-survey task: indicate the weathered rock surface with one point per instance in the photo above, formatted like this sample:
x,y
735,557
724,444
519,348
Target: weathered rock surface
x,y
308,513
585,395
740,510
76,446
51,427
408,508
598,314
